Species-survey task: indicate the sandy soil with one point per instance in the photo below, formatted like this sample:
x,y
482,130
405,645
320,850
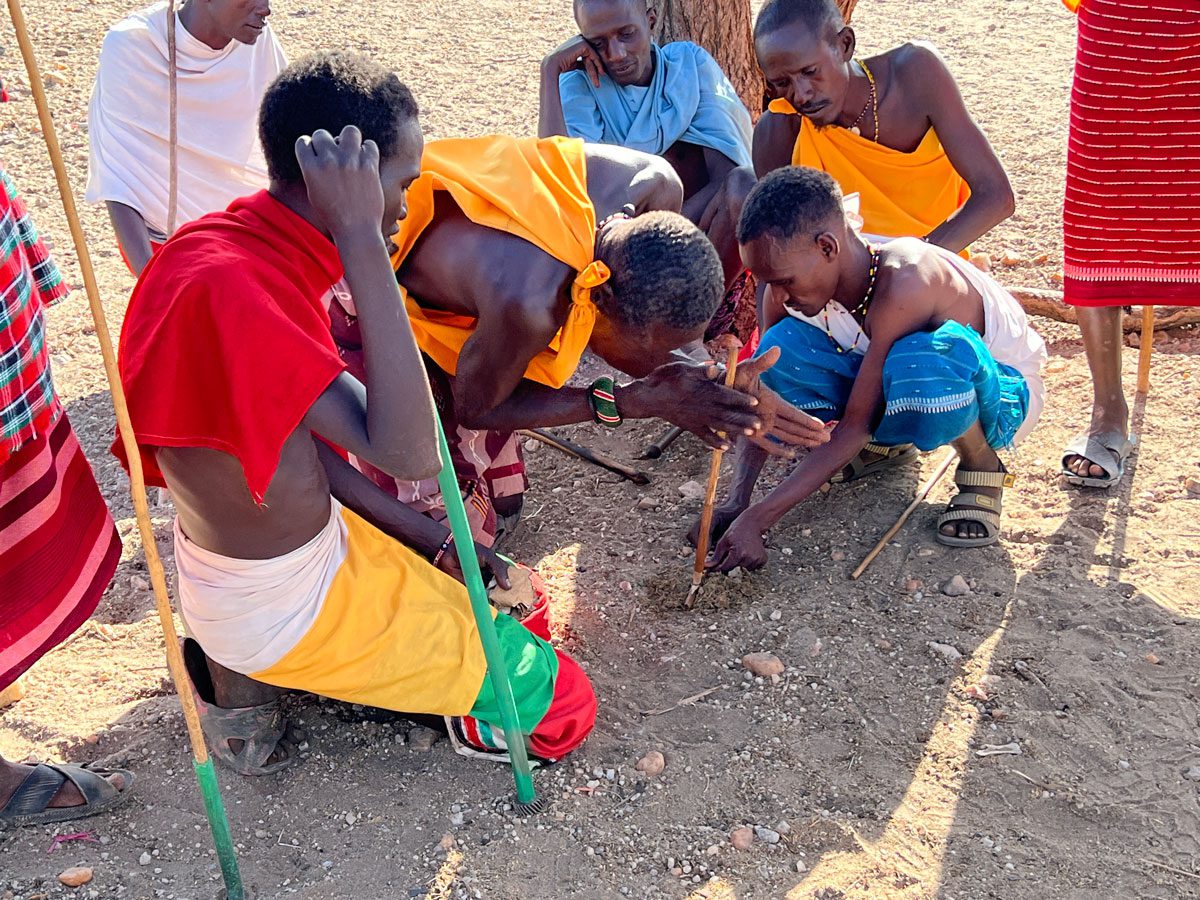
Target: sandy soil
x,y
863,760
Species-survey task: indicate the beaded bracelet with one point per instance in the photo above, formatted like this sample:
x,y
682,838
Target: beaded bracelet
x,y
602,400
437,557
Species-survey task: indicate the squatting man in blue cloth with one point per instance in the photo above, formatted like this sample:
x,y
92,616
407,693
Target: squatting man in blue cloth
x,y
902,342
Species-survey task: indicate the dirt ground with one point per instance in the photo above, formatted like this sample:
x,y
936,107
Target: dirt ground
x,y
865,765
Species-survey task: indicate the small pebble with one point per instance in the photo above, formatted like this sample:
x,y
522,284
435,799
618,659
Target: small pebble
x,y
652,764
691,490
531,445
144,859
947,652
926,551
956,587
1123,765
837,556
1153,659
776,615
913,584
1192,774
766,835
351,818
75,876
883,644
763,664
742,838
422,739
625,586
647,503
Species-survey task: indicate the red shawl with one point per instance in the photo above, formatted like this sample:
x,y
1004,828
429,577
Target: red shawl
x,y
226,342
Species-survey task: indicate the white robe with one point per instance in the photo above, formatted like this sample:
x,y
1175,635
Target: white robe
x,y
219,92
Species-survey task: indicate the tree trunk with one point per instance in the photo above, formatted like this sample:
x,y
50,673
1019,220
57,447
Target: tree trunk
x,y
1050,305
723,28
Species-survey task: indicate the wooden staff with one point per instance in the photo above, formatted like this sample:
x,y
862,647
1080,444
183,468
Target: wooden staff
x,y
943,466
732,345
586,454
1145,349
203,764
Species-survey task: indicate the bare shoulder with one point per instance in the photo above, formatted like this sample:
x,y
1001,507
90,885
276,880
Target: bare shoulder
x,y
920,66
618,175
909,272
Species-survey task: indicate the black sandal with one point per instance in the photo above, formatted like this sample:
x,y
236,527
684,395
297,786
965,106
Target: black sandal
x,y
261,729
30,802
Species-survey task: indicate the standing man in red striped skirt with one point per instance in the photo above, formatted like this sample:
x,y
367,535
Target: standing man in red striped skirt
x,y
1131,220
58,545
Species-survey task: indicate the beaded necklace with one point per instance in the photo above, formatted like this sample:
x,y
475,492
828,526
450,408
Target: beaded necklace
x,y
871,104
860,309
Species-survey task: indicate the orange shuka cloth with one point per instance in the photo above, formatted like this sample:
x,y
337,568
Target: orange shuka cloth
x,y
901,194
533,189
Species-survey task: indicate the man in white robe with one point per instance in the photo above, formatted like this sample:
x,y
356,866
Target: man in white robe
x,y
227,55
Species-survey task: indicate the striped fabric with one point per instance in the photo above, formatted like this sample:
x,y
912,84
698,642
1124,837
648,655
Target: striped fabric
x,y
58,547
1131,218
29,281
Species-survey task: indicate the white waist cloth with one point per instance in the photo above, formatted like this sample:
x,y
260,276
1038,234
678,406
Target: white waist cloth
x,y
219,92
248,613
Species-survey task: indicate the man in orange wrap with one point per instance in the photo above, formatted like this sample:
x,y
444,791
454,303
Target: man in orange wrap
x,y
515,257
891,128
295,571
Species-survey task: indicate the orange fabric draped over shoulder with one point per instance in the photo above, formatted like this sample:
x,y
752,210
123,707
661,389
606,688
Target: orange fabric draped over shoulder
x,y
533,189
901,194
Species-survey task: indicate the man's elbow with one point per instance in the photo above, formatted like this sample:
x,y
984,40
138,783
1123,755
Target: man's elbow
x,y
412,463
1002,200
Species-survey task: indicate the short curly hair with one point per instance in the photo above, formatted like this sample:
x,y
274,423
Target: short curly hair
x,y
790,201
664,272
821,16
330,91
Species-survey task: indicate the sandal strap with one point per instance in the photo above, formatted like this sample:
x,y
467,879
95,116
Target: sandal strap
x,y
971,478
887,450
973,502
33,795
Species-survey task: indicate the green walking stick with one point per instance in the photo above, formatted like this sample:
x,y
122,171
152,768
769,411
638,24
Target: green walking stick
x,y
527,803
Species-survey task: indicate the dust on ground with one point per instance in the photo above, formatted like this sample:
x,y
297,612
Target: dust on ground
x,y
860,764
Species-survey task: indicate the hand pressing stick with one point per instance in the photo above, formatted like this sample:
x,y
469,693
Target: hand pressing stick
x,y
732,345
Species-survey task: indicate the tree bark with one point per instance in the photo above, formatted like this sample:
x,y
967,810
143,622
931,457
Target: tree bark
x,y
723,28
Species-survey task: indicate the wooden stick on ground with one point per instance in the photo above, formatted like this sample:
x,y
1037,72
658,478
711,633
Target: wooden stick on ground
x,y
1147,348
203,764
732,345
586,454
943,466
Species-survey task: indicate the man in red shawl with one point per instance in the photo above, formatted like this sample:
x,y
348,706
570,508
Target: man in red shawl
x,y
1131,220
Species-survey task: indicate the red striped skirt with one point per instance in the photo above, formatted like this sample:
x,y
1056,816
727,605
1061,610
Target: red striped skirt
x,y
58,547
1131,219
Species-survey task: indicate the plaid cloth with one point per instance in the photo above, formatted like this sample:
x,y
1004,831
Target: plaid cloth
x,y
29,282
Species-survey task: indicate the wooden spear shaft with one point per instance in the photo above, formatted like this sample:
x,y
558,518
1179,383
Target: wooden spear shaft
x,y
1145,349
